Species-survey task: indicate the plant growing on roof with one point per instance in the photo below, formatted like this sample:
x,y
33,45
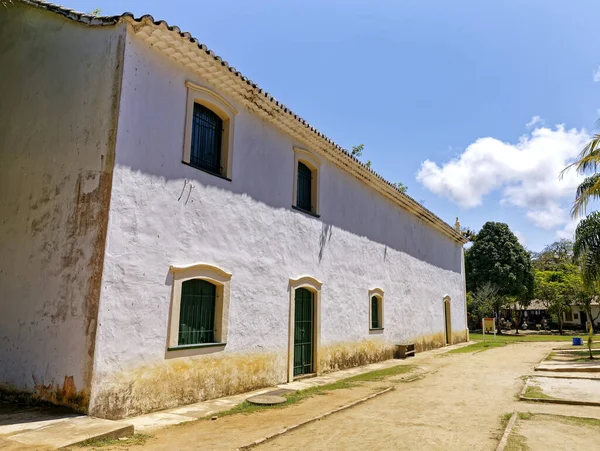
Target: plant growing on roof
x,y
357,152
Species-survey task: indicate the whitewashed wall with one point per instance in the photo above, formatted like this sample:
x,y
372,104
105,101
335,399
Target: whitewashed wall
x,y
59,89
166,213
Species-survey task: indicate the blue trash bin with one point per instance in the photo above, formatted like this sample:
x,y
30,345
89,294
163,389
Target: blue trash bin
x,y
577,341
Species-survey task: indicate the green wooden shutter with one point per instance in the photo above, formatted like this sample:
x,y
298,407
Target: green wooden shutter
x,y
375,313
303,188
303,332
197,312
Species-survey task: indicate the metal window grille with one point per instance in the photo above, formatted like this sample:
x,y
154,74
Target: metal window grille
x,y
197,312
207,130
304,194
375,321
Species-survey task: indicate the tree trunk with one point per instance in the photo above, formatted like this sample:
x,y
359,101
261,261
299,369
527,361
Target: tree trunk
x,y
560,323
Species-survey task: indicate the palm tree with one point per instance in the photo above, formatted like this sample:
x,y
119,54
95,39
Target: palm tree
x,y
587,247
588,161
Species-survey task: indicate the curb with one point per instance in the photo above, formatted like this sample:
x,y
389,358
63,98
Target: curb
x,y
564,377
560,401
312,420
507,431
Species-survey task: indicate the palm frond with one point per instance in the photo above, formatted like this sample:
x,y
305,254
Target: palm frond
x,y
588,159
587,190
587,247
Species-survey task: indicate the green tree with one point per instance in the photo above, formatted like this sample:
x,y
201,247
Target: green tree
x,y
554,256
497,257
587,247
551,290
483,301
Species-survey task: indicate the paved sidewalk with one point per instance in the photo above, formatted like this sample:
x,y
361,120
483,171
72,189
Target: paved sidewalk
x,y
50,428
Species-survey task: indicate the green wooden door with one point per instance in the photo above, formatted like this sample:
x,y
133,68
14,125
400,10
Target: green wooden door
x,y
303,332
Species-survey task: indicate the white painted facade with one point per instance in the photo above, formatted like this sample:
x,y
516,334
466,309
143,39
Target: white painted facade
x,y
59,85
576,315
164,213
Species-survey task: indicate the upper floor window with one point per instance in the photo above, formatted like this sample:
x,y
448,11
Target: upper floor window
x,y
207,132
304,195
306,182
208,141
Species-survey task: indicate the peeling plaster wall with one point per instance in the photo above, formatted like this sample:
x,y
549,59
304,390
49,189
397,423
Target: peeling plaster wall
x,y
59,88
166,213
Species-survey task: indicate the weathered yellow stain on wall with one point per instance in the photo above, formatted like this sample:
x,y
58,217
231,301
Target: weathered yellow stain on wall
x,y
347,355
178,382
189,380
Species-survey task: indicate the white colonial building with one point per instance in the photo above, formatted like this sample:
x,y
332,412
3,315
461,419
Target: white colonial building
x,y
172,233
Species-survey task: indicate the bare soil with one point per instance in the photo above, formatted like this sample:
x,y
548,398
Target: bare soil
x,y
568,389
541,433
459,404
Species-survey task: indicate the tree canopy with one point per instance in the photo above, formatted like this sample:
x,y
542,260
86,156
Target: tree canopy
x,y
497,257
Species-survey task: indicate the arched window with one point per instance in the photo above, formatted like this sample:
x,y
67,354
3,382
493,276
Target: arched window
x,y
304,194
207,131
376,310
375,313
197,312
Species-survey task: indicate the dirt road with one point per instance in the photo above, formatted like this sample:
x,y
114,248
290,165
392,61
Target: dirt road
x,y
457,406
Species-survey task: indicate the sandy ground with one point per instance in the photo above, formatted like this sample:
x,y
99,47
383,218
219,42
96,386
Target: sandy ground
x,y
568,389
458,405
543,433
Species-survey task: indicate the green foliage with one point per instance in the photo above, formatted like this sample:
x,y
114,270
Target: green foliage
x,y
136,439
554,256
480,346
587,247
95,12
400,187
497,257
300,395
587,163
469,234
357,150
484,301
525,338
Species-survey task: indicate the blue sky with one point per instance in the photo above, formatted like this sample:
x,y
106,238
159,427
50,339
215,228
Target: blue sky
x,y
439,92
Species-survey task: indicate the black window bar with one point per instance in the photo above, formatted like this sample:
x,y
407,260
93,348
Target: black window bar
x,y
207,130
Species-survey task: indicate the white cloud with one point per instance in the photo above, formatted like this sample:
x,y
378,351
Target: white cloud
x,y
597,75
525,173
534,120
568,231
520,237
